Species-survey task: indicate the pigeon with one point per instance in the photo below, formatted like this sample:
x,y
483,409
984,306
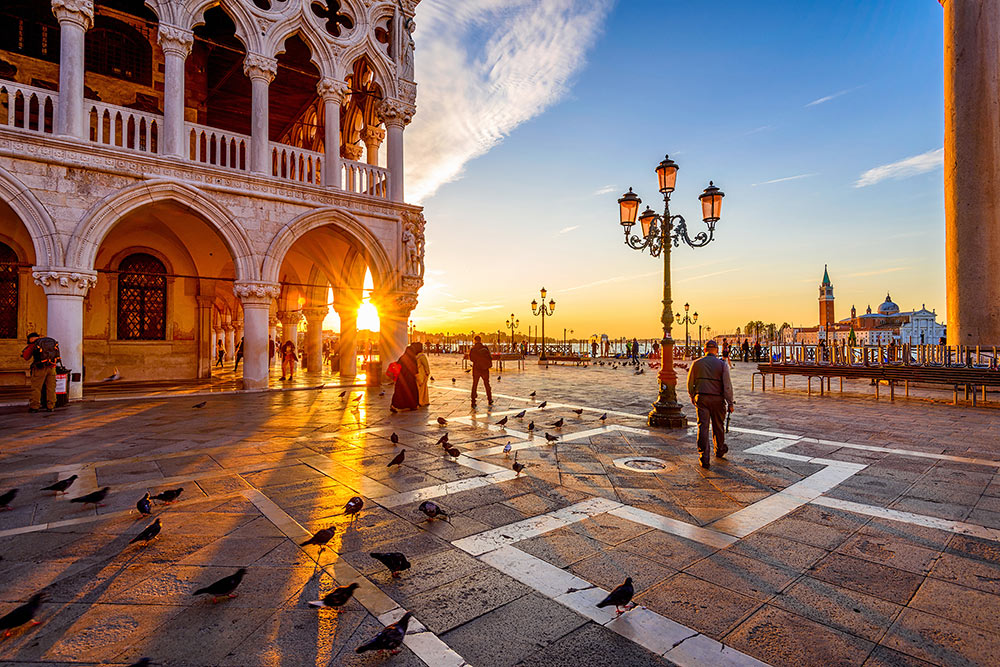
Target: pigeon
x,y
144,506
395,561
532,394
61,485
579,412
453,452
502,422
443,440
148,533
558,423
342,394
517,467
431,378
354,506
542,404
200,405
432,511
520,415
442,421
469,370
21,615
5,500
114,376
381,393
338,597
224,587
506,449
357,398
398,459
603,417
550,437
620,597
322,536
531,426
389,639
169,496
499,377
94,498
453,380
394,439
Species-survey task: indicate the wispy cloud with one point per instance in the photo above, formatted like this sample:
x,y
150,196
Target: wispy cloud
x,y
606,190
567,230
911,166
484,67
878,272
613,279
782,180
757,130
827,98
480,309
706,275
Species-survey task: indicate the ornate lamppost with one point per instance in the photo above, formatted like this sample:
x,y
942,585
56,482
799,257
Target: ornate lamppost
x,y
541,310
512,324
686,320
658,233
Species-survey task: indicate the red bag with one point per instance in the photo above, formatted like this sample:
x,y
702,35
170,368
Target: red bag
x,y
393,370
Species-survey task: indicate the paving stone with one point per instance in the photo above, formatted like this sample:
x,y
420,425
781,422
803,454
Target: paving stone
x,y
453,604
857,574
561,547
968,606
671,550
748,576
706,607
969,572
595,646
889,551
840,608
942,641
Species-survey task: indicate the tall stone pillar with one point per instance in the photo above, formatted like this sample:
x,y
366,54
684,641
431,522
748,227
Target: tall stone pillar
x,y
332,92
65,290
256,298
972,170
396,115
261,70
230,330
290,326
176,45
206,337
314,337
348,346
75,19
372,137
213,333
394,310
272,323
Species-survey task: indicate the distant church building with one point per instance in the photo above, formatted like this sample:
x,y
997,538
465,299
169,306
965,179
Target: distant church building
x,y
887,325
176,173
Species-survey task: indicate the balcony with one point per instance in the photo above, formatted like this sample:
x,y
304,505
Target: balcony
x,y
32,110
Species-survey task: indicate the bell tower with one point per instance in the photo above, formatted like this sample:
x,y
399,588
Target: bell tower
x,y
826,318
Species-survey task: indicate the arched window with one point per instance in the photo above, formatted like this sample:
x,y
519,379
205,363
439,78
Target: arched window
x,y
114,48
142,298
27,27
8,292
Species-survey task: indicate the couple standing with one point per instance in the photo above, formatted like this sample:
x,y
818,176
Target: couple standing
x,y
410,391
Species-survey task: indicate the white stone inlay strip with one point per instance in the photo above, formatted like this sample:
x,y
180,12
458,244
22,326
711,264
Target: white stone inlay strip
x,y
707,536
908,517
448,488
908,452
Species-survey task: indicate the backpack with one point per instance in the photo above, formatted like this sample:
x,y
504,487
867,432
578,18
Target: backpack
x,y
48,349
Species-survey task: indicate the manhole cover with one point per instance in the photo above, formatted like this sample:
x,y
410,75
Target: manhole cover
x,y
643,464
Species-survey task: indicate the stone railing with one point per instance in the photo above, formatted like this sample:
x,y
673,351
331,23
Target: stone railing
x,y
125,128
296,164
364,179
27,108
217,147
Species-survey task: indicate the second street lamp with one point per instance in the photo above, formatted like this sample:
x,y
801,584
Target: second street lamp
x,y
540,310
512,324
686,320
658,234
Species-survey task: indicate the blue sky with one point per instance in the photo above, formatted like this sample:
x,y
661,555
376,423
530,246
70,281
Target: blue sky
x,y
822,122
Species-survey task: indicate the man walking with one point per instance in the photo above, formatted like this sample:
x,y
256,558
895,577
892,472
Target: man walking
x,y
746,351
711,392
482,361
44,356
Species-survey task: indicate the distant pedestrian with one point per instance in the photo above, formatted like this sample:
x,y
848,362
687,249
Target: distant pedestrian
x,y
482,361
593,349
289,358
423,375
756,350
44,356
220,353
635,351
746,351
239,354
405,395
272,347
711,391
726,350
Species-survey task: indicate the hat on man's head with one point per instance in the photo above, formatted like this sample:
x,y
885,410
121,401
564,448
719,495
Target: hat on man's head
x,y
711,345
478,339
33,334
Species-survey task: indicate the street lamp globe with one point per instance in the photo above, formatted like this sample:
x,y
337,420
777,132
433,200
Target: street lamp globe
x,y
695,317
629,205
544,291
552,305
666,174
711,204
646,220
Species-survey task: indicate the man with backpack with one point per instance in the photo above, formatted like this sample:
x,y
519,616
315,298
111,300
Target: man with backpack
x,y
44,356
482,361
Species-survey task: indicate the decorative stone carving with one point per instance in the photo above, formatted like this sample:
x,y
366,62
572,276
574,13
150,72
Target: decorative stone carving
x,y
257,293
414,244
408,92
257,66
353,152
372,135
396,112
332,90
315,314
80,12
175,40
66,282
406,69
395,305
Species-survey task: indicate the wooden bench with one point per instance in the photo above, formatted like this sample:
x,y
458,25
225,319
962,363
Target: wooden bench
x,y
15,377
498,359
575,359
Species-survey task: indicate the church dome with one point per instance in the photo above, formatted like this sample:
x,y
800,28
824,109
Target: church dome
x,y
888,308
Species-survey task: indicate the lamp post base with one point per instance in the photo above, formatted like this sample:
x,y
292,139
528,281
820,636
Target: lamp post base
x,y
667,416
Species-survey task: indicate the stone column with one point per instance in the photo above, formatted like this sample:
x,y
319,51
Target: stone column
x,y
972,170
176,45
347,348
213,332
272,323
290,326
372,138
314,337
396,115
75,19
256,298
206,337
230,330
261,71
65,290
332,92
394,310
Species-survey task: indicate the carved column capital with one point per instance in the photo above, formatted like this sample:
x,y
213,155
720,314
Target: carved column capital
x,y
260,67
373,135
256,293
290,317
332,90
63,281
396,112
174,40
395,305
353,152
80,12
314,314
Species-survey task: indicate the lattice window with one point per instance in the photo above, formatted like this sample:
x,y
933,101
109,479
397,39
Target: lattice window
x,y
335,20
116,49
142,298
8,292
28,27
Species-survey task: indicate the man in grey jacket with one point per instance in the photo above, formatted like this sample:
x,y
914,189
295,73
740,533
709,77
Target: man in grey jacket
x,y
711,391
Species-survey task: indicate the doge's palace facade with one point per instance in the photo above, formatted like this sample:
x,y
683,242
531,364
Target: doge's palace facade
x,y
178,172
